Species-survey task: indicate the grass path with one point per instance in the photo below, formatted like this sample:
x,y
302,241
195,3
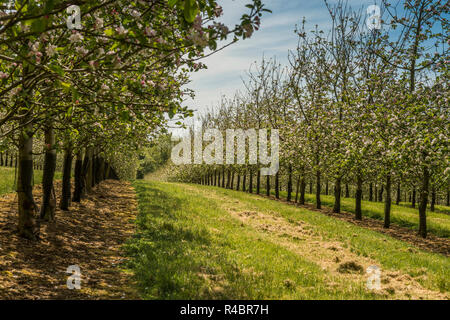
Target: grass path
x,y
200,242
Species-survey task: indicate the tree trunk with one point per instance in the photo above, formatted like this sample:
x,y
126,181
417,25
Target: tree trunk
x,y
66,187
423,203
267,185
27,227
310,187
326,188
88,167
258,182
101,170
318,187
228,179
250,182
337,196
347,191
370,192
244,181
397,201
387,202
48,198
289,185
413,198
215,177
223,177
77,193
380,194
277,185
297,190
358,197
302,190
107,170
433,199
238,182
448,198
232,180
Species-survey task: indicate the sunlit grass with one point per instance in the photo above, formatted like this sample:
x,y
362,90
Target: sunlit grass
x,y
188,247
8,179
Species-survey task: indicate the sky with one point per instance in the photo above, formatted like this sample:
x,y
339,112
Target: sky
x,y
275,38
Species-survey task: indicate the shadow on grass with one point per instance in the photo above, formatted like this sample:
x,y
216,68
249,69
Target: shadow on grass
x,y
160,250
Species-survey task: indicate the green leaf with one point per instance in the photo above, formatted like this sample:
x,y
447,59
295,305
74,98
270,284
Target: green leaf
x,y
190,10
57,69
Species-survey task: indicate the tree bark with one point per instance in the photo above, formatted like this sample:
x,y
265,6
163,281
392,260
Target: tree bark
x,y
358,197
88,167
387,202
380,194
302,190
397,201
318,187
423,202
370,192
66,187
277,185
413,198
347,191
433,199
238,181
289,185
297,190
77,193
27,227
250,182
232,180
48,198
258,181
223,177
244,181
267,185
337,196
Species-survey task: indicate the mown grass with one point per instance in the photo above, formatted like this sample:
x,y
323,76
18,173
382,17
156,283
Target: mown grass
x,y
8,179
188,247
438,222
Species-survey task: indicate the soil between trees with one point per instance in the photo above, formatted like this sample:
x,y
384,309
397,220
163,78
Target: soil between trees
x,y
90,235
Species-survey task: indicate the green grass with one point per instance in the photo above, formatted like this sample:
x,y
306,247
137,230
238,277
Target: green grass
x,y
438,223
189,247
8,177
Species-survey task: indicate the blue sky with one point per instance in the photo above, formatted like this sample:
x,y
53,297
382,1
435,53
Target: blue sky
x,y
275,37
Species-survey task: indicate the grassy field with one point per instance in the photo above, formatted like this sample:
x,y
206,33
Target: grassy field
x,y
199,242
438,222
8,178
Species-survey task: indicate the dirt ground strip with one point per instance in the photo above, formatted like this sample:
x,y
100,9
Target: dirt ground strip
x,y
89,235
343,266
